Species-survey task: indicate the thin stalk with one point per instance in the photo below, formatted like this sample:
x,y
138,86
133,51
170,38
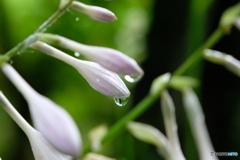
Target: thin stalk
x,y
197,55
53,18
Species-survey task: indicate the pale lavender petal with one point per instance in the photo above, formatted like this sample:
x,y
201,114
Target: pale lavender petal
x,y
110,59
56,125
101,79
41,148
94,12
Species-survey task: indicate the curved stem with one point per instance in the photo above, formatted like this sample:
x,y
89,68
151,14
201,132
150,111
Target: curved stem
x,y
53,18
197,55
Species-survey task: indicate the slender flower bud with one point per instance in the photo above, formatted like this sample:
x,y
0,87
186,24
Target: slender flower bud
x,y
110,59
170,124
41,148
228,61
99,78
94,12
197,121
160,83
56,125
214,56
149,134
96,135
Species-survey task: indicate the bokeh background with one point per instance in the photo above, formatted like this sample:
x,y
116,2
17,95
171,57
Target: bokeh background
x,y
159,34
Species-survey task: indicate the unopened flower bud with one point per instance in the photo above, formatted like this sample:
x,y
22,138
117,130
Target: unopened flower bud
x,y
214,56
41,148
149,134
94,12
229,17
99,78
160,83
197,121
95,136
228,61
56,125
110,59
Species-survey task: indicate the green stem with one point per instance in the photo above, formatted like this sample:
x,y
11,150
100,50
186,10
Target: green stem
x,y
197,55
150,99
25,43
53,18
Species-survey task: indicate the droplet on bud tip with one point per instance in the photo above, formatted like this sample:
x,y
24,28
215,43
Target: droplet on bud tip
x,y
121,101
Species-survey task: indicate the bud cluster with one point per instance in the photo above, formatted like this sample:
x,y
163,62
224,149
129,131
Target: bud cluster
x,y
55,135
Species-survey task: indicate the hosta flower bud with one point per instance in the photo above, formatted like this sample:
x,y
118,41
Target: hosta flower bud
x,y
197,122
110,59
149,134
94,12
41,148
228,61
214,56
96,135
160,83
99,78
56,125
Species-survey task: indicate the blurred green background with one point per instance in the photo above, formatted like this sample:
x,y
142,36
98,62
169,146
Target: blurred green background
x,y
160,35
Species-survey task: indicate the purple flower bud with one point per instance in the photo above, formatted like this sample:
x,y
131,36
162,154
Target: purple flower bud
x,y
94,12
56,125
110,59
40,146
99,78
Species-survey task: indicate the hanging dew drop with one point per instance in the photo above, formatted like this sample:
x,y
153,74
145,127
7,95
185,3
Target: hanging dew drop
x,y
133,78
77,19
76,54
121,101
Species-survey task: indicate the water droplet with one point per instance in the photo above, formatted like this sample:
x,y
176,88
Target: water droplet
x,y
77,19
133,78
11,62
97,80
121,101
76,54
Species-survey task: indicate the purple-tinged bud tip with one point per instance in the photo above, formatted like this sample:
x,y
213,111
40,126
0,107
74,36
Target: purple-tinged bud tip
x,y
95,12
